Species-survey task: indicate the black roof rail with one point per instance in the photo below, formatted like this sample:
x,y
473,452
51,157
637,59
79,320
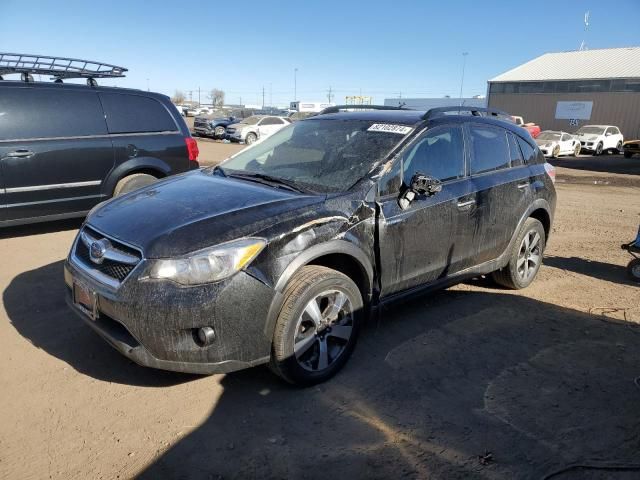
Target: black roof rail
x,y
337,108
475,111
57,67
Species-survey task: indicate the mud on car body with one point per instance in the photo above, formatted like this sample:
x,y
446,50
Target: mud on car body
x,y
279,254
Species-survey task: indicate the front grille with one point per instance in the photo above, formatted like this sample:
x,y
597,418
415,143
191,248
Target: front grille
x,y
231,130
108,267
201,123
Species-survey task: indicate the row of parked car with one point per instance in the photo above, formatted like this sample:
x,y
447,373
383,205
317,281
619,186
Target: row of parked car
x,y
593,139
243,126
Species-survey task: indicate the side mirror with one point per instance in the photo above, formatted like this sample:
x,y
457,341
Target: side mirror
x,y
608,134
420,185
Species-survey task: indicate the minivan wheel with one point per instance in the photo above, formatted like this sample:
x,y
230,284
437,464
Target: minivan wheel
x,y
251,138
525,257
133,182
318,325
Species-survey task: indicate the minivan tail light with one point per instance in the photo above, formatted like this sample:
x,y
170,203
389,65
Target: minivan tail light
x,y
192,148
551,171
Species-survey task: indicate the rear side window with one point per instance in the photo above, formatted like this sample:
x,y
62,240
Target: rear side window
x,y
27,113
527,151
490,150
271,121
515,154
135,114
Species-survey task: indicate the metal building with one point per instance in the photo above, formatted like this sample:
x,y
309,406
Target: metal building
x,y
564,90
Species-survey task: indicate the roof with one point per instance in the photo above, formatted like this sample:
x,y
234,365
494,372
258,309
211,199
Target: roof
x,y
577,65
406,117
427,103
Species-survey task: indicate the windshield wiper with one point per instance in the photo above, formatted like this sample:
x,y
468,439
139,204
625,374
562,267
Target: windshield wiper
x,y
265,179
218,169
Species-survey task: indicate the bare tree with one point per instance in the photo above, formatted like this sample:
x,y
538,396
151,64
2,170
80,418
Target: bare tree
x,y
217,97
178,97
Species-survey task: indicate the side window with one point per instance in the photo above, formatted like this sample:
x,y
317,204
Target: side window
x,y
565,137
616,131
528,152
489,149
49,113
135,114
515,155
438,153
271,121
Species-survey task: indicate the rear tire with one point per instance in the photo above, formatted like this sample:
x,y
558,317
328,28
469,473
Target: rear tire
x,y
133,182
525,257
317,327
633,269
619,147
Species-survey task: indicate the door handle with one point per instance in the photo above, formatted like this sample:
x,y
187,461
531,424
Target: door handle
x,y
466,203
19,154
523,185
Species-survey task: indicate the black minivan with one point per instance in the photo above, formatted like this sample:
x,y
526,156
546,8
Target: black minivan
x,y
66,147
278,254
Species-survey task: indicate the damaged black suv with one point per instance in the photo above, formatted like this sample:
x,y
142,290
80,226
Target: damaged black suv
x,y
279,254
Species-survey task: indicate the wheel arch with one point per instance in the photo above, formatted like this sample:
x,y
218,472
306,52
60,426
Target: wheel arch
x,y
340,255
147,165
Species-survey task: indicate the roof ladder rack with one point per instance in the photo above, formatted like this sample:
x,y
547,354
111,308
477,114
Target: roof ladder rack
x,y
337,108
475,111
58,67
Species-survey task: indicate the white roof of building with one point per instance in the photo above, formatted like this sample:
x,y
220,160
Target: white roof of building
x,y
577,65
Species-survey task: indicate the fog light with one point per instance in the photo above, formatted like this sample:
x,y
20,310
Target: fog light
x,y
206,336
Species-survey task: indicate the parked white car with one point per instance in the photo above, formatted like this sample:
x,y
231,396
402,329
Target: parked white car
x,y
256,127
553,143
599,138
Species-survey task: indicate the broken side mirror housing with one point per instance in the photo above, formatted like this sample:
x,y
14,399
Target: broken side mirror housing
x,y
420,184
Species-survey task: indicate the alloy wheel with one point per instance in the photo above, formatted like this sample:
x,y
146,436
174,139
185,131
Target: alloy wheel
x,y
529,255
323,330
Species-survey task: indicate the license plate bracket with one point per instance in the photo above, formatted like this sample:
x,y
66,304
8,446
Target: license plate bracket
x,y
86,300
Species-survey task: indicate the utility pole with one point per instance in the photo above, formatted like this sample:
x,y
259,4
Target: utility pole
x,y
190,92
240,101
263,97
198,96
464,61
583,45
295,84
329,94
147,84
270,94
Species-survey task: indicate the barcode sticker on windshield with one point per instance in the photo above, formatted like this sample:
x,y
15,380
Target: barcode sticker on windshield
x,y
389,128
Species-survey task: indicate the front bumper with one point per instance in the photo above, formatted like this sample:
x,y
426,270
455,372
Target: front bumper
x,y
154,323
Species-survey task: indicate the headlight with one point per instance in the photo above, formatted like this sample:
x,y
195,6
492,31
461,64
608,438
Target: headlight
x,y
208,265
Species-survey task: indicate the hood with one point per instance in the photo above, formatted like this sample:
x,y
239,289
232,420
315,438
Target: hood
x,y
587,136
192,211
541,143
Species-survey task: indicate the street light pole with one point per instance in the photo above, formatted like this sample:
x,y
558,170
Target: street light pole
x,y
464,61
295,84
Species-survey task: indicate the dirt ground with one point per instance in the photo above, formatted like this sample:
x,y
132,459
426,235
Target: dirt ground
x,y
471,382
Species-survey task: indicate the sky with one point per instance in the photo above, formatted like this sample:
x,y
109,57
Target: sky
x,y
381,49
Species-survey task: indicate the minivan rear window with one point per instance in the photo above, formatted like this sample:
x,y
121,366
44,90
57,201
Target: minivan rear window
x,y
127,113
29,113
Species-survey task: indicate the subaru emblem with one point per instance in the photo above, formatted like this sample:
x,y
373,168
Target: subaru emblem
x,y
98,249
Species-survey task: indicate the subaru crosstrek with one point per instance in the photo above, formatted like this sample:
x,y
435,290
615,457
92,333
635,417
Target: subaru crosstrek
x,y
278,254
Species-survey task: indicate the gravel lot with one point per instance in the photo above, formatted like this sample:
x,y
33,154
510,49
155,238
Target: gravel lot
x,y
540,379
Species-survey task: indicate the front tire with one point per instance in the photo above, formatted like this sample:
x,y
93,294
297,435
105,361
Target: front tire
x,y
619,147
633,269
133,182
556,151
251,138
525,257
576,150
317,327
598,150
219,132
